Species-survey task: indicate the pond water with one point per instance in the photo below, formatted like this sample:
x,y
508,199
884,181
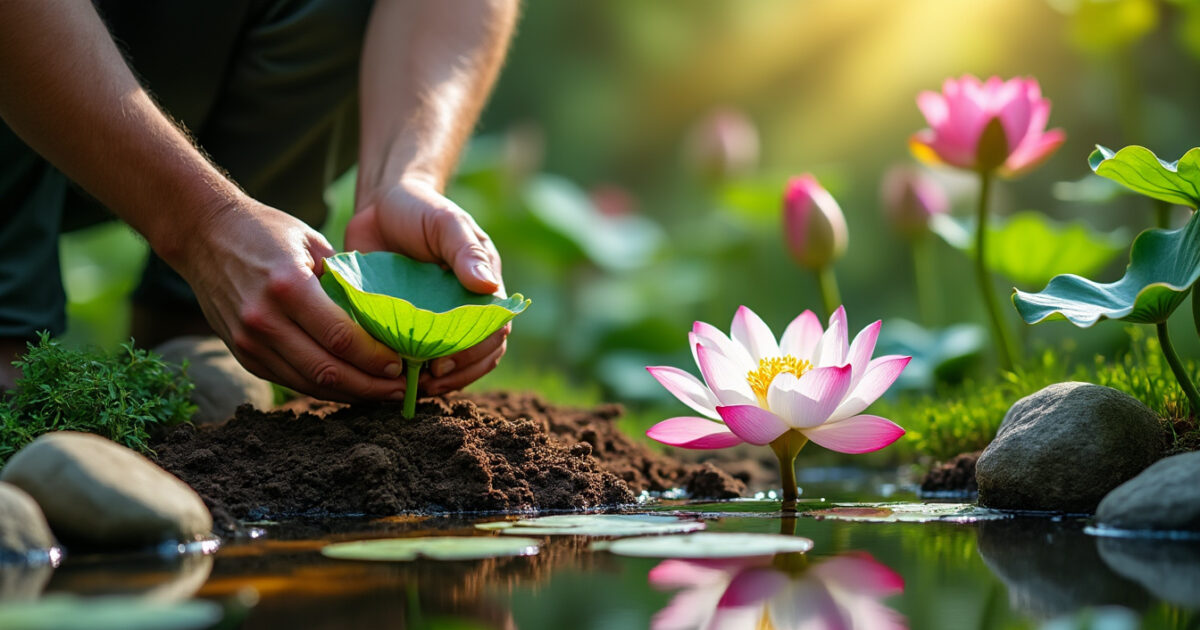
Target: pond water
x,y
1021,572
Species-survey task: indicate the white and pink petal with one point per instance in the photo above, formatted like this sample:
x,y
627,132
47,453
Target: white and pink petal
x,y
752,423
753,334
687,388
879,376
808,401
694,433
857,434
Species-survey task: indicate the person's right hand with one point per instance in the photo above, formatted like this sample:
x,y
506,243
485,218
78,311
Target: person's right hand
x,y
254,270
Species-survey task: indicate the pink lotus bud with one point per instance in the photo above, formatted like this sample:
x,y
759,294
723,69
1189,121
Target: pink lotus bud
x,y
724,144
985,126
813,223
910,198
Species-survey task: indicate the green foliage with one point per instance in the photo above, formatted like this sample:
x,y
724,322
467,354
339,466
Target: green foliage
x,y
1029,249
1163,266
119,396
965,417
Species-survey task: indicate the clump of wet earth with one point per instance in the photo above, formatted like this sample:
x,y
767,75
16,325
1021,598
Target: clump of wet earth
x,y
462,452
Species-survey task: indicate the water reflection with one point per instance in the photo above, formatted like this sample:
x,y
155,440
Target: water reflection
x,y
1052,568
1169,569
780,592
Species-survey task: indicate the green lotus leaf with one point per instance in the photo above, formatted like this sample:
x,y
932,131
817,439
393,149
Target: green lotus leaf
x,y
1138,169
1030,249
432,547
417,309
707,545
1163,266
111,612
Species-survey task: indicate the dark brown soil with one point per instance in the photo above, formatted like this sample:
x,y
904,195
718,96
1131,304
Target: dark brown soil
x,y
496,451
956,475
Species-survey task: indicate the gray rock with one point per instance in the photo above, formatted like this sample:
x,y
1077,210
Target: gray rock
x,y
1166,496
221,382
1066,446
96,492
23,528
1169,569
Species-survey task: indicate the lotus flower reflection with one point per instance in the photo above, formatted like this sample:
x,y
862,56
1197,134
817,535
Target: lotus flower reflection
x,y
811,384
781,592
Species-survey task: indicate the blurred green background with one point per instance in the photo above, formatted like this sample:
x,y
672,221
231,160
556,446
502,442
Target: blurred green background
x,y
586,169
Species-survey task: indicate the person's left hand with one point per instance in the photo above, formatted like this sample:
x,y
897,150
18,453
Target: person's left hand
x,y
414,219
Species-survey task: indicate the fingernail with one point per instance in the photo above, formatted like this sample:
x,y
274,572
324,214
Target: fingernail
x,y
483,271
442,367
393,370
398,394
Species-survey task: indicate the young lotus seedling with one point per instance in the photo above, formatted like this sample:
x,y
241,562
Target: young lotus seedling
x,y
1163,264
810,385
993,127
417,309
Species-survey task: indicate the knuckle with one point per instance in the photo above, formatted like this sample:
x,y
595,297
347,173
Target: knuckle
x,y
339,338
243,343
326,375
255,317
282,284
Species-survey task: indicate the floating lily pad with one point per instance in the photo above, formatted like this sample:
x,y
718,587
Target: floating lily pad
x,y
1163,266
433,548
707,545
1138,169
596,525
1029,248
417,309
68,612
907,513
764,508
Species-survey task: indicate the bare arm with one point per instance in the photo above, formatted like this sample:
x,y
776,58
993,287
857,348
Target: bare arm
x,y
67,92
427,69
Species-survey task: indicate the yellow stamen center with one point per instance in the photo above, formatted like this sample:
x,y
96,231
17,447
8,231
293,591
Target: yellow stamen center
x,y
760,379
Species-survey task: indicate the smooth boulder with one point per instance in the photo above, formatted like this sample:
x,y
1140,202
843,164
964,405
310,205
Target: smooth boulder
x,y
1064,447
1165,497
23,528
222,384
96,492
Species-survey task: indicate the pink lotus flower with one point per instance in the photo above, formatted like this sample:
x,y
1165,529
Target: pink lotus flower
x,y
813,223
763,592
911,198
997,125
811,383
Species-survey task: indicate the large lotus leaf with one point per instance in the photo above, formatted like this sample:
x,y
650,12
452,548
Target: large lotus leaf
x,y
1138,169
942,354
418,309
1029,248
614,243
1163,266
706,545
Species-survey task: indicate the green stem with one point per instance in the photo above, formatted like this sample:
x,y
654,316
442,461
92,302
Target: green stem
x,y
827,282
1181,375
999,334
1196,310
786,447
410,392
1162,212
925,274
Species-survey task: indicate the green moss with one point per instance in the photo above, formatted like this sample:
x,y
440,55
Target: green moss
x,y
964,417
119,396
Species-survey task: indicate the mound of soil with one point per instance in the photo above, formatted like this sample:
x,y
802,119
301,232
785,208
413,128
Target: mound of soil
x,y
956,475
495,451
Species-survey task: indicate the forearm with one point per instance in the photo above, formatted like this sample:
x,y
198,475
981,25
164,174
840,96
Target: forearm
x,y
427,69
68,93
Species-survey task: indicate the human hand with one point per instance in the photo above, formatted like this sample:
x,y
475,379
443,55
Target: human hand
x,y
254,270
414,219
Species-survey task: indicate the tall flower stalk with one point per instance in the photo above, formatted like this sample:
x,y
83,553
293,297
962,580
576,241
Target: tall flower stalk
x,y
910,201
991,128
